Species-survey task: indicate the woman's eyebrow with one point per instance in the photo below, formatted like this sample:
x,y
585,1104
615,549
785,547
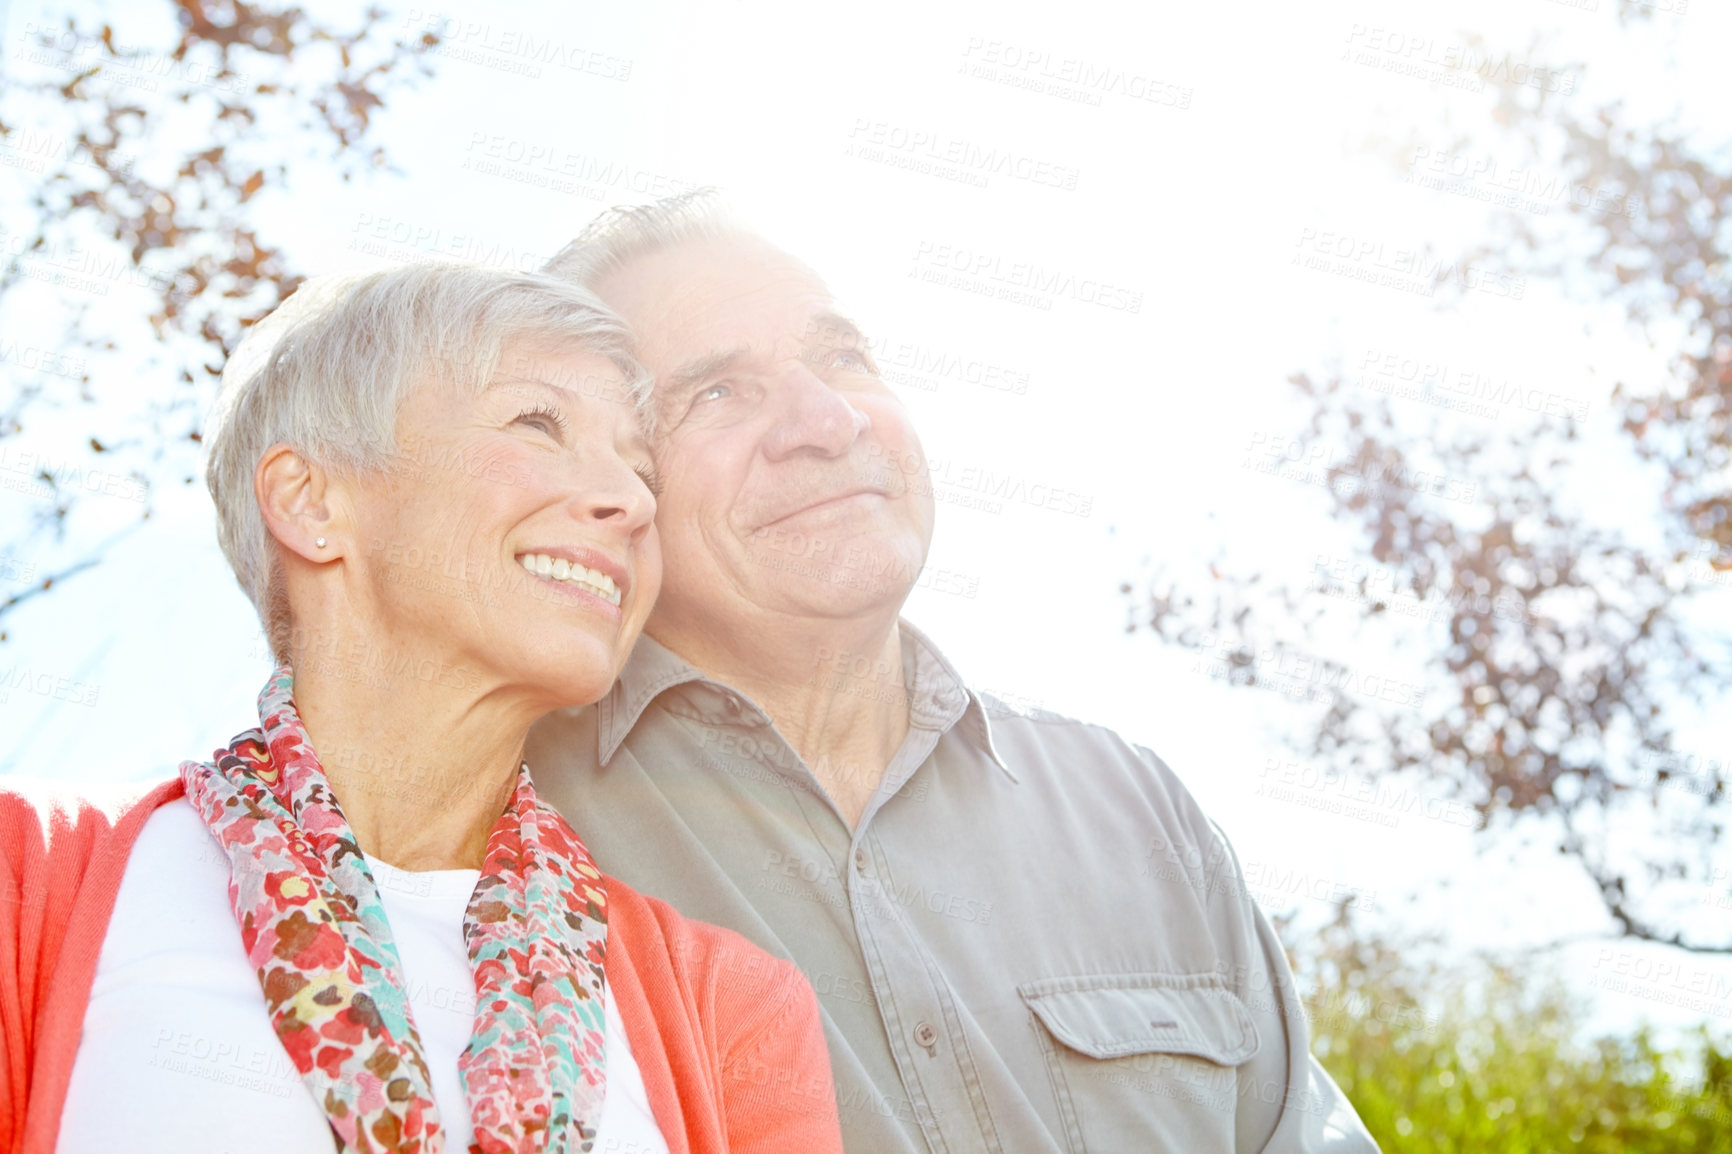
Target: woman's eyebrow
x,y
504,380
604,385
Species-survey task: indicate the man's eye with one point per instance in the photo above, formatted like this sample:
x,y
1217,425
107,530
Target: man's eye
x,y
719,401
848,357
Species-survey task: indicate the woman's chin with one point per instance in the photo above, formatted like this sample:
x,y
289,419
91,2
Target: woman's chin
x,y
562,688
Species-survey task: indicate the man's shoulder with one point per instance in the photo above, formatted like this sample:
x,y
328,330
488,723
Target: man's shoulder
x,y
1088,763
1021,708
1036,734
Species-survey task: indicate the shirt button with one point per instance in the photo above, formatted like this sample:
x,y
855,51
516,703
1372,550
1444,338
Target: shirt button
x,y
925,1034
734,706
860,860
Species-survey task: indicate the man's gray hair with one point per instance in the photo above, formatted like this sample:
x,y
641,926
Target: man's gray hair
x,y
328,371
624,233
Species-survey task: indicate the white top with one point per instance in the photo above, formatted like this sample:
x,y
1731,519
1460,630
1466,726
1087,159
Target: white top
x,y
178,1054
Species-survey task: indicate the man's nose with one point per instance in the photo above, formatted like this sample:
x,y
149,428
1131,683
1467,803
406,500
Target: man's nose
x,y
812,418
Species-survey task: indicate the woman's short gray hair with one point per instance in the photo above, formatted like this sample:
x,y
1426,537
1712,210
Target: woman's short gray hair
x,y
328,371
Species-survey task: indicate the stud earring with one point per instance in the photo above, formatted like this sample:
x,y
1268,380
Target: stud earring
x,y
319,541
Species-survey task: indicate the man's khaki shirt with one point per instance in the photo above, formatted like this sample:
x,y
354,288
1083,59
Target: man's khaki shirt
x,y
1033,941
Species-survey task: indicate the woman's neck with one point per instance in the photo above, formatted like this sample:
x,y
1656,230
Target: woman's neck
x,y
421,757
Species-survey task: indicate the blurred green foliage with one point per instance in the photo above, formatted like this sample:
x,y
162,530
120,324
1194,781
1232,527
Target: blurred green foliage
x,y
1486,1059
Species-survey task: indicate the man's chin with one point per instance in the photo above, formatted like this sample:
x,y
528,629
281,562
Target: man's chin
x,y
841,591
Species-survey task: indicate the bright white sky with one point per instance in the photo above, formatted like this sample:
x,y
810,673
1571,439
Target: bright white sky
x,y
1201,209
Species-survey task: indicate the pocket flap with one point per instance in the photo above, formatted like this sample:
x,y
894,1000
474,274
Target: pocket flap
x,y
1111,1017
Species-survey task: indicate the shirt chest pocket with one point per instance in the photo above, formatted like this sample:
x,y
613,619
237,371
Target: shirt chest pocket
x,y
1143,1061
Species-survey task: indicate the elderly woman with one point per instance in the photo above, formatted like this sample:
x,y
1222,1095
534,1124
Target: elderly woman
x,y
356,926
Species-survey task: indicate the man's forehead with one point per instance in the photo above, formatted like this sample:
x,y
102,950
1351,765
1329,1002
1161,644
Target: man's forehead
x,y
700,296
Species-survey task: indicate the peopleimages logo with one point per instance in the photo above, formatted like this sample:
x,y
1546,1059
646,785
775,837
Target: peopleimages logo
x,y
75,267
550,164
42,475
1481,176
1468,390
59,46
1021,282
34,150
1406,268
517,50
1454,64
25,679
1066,77
36,359
929,151
919,365
1292,458
948,479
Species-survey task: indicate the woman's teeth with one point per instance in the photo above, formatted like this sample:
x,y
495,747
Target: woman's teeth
x,y
559,569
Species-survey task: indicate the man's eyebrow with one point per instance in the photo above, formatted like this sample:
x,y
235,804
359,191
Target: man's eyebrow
x,y
674,387
827,321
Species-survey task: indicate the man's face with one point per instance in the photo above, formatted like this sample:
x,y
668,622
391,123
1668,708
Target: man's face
x,y
793,483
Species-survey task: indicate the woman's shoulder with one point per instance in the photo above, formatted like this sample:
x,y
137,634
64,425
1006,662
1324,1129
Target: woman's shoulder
x,y
57,820
700,950
42,799
758,1012
741,989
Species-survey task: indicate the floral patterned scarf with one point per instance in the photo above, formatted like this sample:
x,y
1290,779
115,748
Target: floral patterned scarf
x,y
315,931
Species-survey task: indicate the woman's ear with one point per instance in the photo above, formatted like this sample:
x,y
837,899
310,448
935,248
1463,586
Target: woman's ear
x,y
299,505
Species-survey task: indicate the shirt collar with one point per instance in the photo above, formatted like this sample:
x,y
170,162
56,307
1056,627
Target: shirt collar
x,y
937,696
651,669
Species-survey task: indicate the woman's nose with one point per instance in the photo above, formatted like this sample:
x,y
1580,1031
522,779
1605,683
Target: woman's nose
x,y
615,496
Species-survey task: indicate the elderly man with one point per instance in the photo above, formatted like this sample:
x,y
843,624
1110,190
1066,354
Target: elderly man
x,y
1024,934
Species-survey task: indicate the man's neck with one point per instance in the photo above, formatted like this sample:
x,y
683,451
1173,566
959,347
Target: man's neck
x,y
834,689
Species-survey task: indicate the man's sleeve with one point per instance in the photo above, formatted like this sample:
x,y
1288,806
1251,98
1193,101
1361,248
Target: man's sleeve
x,y
1282,1080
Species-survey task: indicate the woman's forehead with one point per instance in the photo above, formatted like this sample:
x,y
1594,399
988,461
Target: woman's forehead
x,y
580,372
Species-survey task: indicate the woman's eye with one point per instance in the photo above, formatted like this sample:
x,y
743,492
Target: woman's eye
x,y
715,392
547,420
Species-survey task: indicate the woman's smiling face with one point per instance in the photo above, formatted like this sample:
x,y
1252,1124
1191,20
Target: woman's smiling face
x,y
513,536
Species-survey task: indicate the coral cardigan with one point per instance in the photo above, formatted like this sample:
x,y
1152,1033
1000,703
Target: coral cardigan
x,y
728,1037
